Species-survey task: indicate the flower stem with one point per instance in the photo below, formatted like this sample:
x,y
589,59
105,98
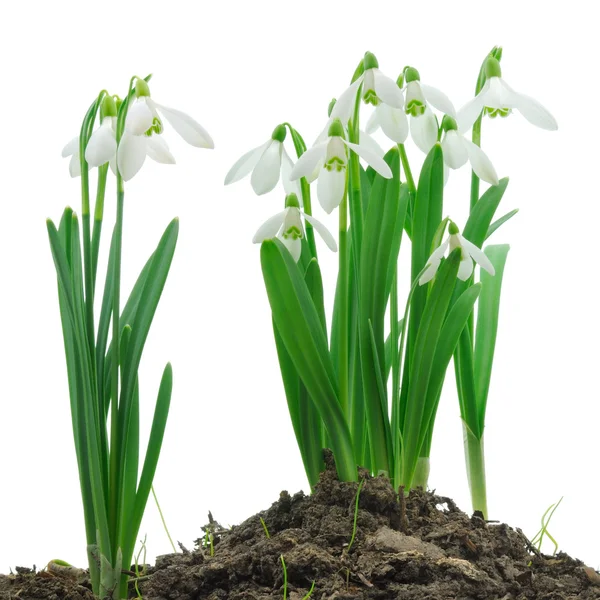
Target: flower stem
x,y
474,179
114,406
343,354
98,217
412,188
475,458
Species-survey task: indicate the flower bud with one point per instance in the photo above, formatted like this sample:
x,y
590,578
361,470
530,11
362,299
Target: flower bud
x,y
291,200
336,129
279,133
141,88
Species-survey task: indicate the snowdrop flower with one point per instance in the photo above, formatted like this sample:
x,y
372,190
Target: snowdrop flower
x,y
328,160
287,226
419,97
72,150
469,253
393,121
457,150
102,145
266,163
143,129
377,89
498,98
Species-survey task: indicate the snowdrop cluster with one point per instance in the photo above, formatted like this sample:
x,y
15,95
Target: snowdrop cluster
x,y
142,135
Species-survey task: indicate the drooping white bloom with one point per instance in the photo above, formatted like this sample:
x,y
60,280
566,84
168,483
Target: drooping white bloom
x,y
377,89
328,161
419,99
267,163
143,126
469,253
287,226
497,98
72,150
457,150
393,123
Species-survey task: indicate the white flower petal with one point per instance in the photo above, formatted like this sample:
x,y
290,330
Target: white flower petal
x,y
245,164
481,164
465,270
372,159
393,123
113,164
294,245
139,117
269,228
455,150
439,252
71,147
533,111
344,105
438,100
266,172
430,272
365,140
322,231
75,165
468,114
500,95
331,186
312,159
131,154
102,145
157,150
387,90
477,255
424,130
292,233
189,129
372,123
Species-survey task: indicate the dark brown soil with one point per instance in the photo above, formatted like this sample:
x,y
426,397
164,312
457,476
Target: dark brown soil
x,y
420,549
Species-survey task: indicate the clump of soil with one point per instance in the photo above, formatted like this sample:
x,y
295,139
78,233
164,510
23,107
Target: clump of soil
x,y
420,548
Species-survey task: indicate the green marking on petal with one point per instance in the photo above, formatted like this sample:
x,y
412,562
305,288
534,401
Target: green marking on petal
x,y
415,108
370,97
497,112
335,164
156,127
293,232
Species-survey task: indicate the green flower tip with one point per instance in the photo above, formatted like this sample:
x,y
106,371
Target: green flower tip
x,y
336,129
291,200
108,108
411,74
330,107
370,61
492,67
452,228
141,88
279,133
449,124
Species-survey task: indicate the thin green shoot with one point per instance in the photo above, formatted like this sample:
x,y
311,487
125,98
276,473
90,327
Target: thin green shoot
x,y
539,536
139,574
312,587
285,581
362,481
264,525
162,518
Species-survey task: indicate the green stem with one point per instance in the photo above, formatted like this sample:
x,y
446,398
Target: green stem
x,y
394,355
98,216
475,458
412,188
421,476
114,412
474,179
343,352
162,518
355,198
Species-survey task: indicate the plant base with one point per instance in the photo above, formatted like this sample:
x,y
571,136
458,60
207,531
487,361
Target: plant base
x,y
424,548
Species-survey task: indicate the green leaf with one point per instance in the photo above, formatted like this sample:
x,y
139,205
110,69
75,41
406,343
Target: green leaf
x,y
487,325
301,330
455,322
151,293
388,349
496,224
131,524
483,212
383,227
424,352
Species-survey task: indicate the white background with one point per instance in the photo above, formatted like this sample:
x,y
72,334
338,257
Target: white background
x,y
240,69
